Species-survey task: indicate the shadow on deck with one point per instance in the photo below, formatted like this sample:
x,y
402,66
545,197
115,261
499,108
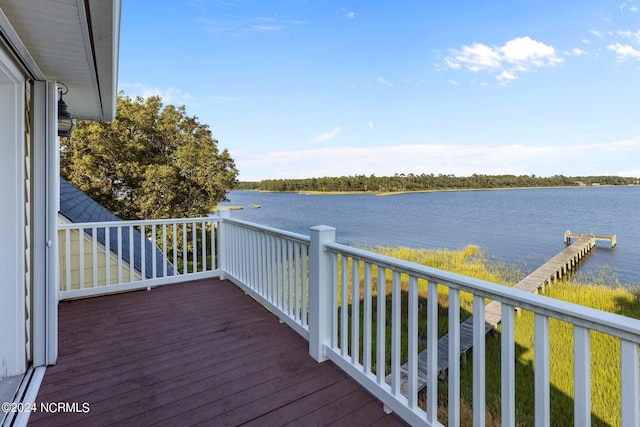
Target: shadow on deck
x,y
199,352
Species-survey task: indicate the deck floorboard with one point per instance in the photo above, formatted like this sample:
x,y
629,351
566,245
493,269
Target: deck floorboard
x,y
194,353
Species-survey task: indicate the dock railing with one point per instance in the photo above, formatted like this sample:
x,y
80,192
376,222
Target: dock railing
x,y
328,292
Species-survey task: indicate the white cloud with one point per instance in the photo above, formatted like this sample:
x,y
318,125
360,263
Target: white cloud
x,y
524,50
632,7
506,76
351,14
370,124
328,135
476,58
518,55
382,81
228,3
265,28
250,25
635,36
576,52
169,95
461,160
624,51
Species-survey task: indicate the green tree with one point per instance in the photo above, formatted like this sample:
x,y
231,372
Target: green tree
x,y
152,161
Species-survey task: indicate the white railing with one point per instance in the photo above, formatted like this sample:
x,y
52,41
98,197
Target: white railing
x,y
325,291
104,257
271,265
343,270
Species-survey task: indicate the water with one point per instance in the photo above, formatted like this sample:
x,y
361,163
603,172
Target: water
x,y
521,227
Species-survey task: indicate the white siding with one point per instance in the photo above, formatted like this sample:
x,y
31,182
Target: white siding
x,y
73,282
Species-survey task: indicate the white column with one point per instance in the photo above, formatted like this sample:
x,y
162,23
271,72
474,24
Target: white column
x,y
320,291
222,242
52,207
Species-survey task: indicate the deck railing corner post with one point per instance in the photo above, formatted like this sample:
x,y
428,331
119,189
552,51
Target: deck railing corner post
x,y
223,249
320,291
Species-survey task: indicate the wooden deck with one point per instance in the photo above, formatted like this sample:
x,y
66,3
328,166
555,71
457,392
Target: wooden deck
x,y
558,266
194,353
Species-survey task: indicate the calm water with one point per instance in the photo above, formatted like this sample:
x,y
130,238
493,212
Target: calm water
x,y
517,226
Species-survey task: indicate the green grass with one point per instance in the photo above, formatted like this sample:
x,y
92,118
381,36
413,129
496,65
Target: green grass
x,y
469,261
605,357
605,354
230,208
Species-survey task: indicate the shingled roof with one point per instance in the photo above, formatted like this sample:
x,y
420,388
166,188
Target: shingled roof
x,y
77,207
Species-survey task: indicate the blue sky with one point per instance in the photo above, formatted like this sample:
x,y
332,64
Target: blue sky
x,y
310,88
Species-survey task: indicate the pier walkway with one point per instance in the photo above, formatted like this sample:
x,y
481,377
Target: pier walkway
x,y
563,263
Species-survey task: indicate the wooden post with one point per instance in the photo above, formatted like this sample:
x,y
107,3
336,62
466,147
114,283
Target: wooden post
x,y
320,291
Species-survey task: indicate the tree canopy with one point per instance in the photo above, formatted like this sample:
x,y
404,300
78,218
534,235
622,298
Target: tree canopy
x,y
152,161
422,182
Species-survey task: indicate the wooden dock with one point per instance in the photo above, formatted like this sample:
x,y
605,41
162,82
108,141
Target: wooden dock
x,y
557,267
568,235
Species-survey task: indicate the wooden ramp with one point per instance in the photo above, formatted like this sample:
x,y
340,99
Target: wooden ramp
x,y
558,266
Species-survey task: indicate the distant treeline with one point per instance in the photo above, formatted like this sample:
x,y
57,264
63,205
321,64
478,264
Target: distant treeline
x,y
411,182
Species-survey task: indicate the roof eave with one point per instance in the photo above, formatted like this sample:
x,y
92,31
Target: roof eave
x,y
106,42
92,29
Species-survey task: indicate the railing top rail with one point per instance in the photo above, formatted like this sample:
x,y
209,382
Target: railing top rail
x,y
300,238
610,323
75,225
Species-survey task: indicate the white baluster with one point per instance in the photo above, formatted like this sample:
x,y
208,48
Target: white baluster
x,y
508,361
381,326
541,369
367,327
432,353
396,297
479,370
454,357
355,312
630,388
412,368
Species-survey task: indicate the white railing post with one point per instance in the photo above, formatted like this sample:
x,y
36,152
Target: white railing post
x,y
320,291
630,387
222,242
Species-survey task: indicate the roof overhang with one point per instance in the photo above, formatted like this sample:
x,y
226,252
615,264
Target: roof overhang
x,y
71,41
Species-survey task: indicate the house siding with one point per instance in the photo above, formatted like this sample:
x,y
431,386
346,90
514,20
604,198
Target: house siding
x,y
104,261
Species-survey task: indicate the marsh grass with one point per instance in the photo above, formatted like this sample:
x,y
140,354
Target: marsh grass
x,y
605,359
228,207
470,261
